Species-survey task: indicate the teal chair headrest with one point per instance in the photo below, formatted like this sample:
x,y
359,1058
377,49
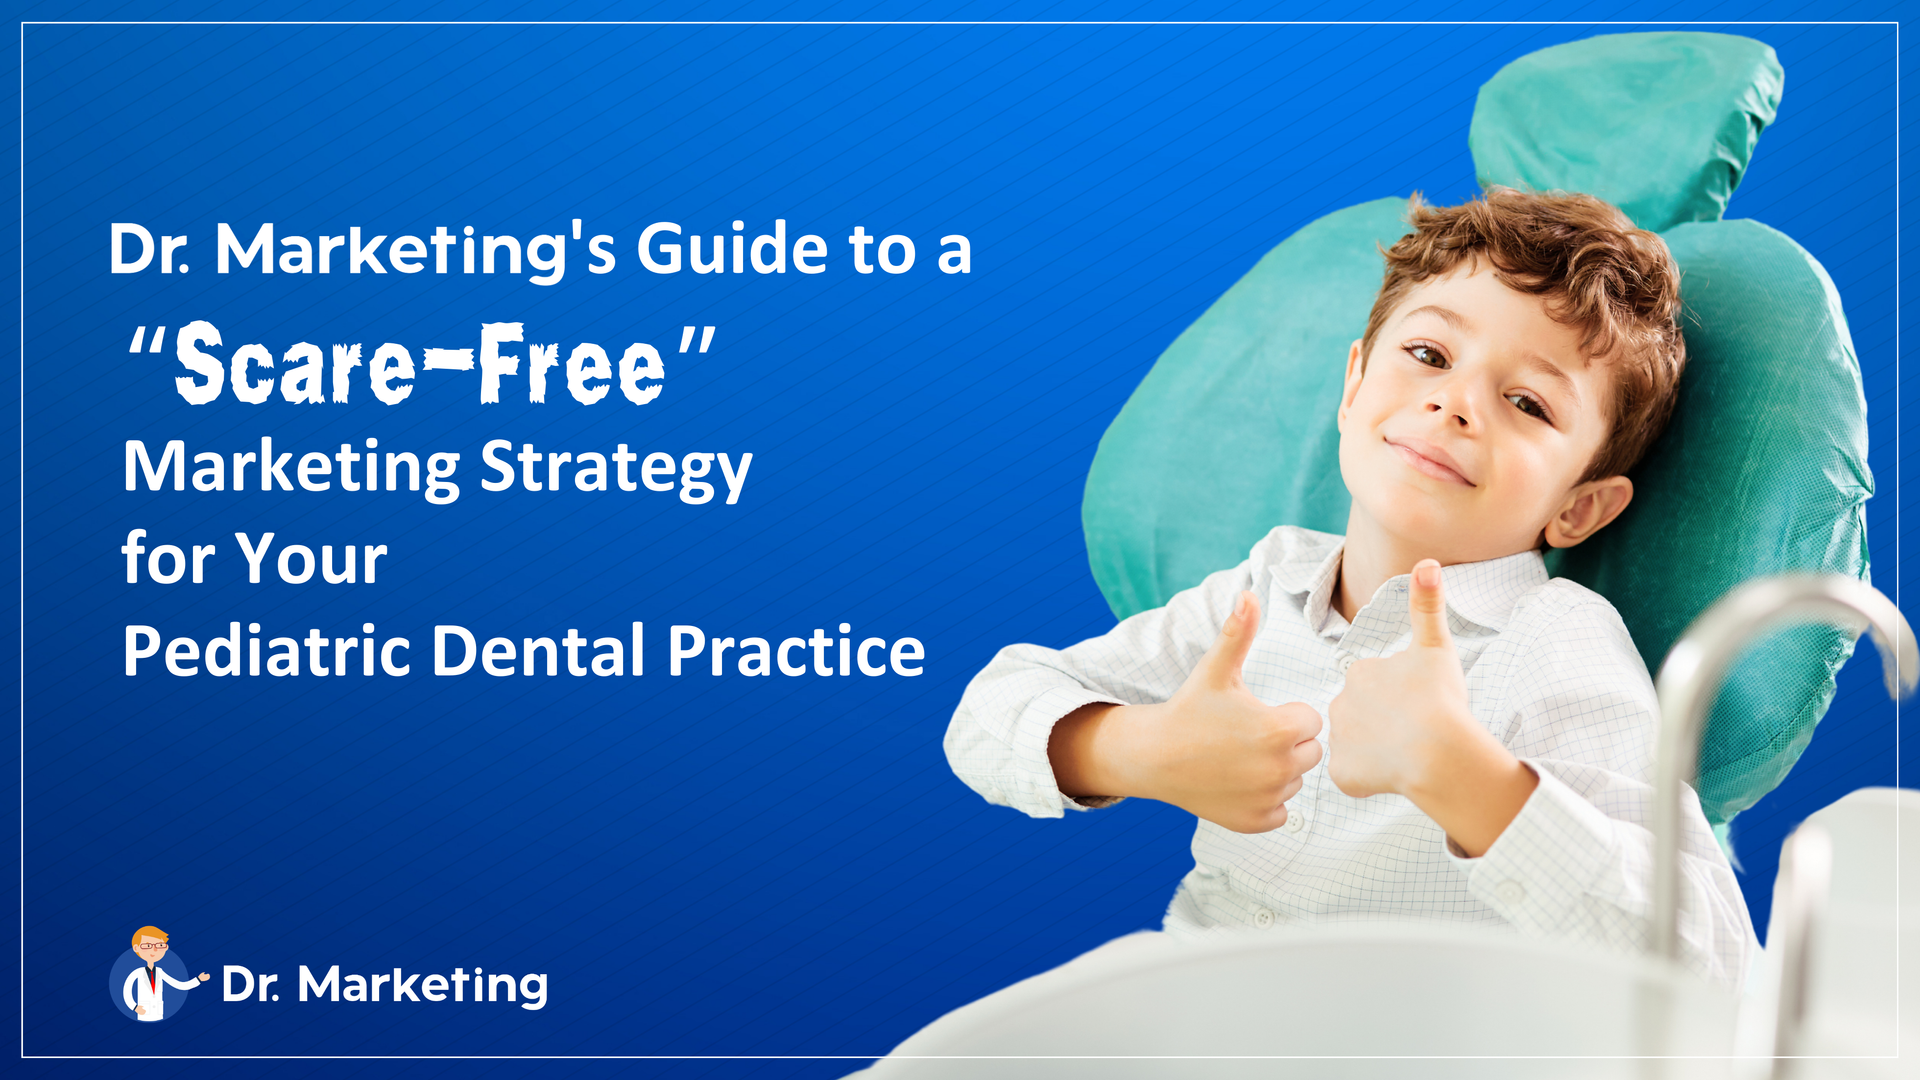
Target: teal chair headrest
x,y
1660,125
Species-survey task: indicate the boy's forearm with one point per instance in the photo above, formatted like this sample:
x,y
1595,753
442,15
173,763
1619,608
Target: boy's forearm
x,y
1473,788
1080,752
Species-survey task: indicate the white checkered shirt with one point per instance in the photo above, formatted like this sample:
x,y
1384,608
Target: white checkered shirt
x,y
1550,671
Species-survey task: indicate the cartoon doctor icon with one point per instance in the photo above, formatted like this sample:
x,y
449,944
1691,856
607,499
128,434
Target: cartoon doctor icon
x,y
145,988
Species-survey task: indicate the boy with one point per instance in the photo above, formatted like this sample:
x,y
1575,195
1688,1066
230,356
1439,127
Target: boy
x,y
1486,745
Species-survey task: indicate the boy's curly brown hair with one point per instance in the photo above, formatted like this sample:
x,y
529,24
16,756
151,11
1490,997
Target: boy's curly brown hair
x,y
1615,283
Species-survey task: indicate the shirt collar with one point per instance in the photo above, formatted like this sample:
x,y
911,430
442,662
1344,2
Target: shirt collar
x,y
1486,592
1483,593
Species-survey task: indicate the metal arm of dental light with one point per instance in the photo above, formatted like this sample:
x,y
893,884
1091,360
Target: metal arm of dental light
x,y
1690,679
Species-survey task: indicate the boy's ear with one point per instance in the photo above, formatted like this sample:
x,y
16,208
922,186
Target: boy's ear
x,y
1352,384
1589,507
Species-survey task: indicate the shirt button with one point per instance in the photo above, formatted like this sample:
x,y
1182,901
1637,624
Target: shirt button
x,y
1510,892
1263,918
1343,663
1295,822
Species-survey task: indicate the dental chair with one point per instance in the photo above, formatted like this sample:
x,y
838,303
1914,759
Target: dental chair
x,y
1662,125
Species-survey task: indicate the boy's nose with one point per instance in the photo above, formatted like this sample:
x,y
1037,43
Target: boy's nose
x,y
1456,415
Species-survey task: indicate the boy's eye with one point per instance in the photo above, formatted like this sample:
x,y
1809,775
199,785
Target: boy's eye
x,y
1428,355
1528,405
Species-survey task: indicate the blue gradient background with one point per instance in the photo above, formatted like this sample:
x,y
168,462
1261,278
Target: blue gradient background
x,y
702,867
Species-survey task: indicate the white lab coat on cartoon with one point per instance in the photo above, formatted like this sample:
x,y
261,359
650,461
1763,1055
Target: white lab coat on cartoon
x,y
138,991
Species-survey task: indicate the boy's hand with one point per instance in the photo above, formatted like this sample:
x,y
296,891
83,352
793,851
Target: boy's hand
x,y
1213,749
1394,713
1402,725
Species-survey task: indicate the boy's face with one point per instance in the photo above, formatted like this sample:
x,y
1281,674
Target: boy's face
x,y
1474,421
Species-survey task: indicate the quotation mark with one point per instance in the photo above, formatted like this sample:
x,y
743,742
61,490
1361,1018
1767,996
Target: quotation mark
x,y
686,337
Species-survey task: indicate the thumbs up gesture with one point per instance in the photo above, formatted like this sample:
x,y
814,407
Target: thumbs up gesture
x,y
1403,725
1398,715
1213,749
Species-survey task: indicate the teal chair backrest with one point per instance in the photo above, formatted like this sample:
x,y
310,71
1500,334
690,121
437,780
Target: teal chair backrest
x,y
1763,469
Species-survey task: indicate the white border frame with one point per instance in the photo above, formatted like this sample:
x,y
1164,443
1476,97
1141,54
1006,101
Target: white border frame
x,y
22,469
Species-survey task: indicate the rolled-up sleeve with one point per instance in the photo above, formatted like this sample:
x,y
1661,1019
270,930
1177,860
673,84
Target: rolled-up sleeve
x,y
1578,859
997,740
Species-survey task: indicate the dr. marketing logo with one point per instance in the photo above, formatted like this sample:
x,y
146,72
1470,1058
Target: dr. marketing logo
x,y
150,983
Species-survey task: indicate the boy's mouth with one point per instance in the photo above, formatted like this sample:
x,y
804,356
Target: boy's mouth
x,y
1429,460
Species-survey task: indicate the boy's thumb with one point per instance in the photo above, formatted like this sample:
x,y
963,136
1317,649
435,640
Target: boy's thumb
x,y
1428,607
1221,665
